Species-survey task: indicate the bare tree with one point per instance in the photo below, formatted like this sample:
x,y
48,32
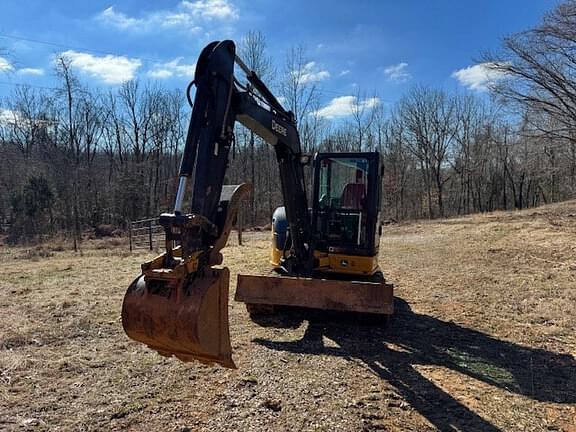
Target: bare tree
x,y
429,120
300,93
25,118
252,50
70,87
363,116
537,68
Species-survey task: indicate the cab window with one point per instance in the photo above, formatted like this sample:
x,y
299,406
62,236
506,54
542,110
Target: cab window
x,y
342,199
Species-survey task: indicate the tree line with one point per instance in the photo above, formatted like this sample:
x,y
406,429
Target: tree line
x,y
74,157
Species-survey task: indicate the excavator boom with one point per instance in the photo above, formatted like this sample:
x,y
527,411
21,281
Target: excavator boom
x,y
179,304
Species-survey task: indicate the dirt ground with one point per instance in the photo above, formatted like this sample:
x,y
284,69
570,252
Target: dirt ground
x,y
483,340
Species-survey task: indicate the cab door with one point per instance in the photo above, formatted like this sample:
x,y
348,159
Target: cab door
x,y
345,202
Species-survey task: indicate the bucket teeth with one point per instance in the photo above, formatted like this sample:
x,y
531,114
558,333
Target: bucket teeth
x,y
187,319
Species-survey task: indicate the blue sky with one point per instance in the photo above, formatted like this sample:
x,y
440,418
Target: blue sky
x,y
381,47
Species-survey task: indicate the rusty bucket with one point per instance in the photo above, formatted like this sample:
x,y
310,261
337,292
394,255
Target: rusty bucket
x,y
185,317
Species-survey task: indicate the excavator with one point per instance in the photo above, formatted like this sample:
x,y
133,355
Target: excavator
x,y
323,255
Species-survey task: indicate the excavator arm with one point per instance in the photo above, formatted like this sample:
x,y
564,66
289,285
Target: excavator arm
x,y
179,304
219,102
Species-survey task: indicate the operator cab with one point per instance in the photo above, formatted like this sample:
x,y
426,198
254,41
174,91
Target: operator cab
x,y
346,202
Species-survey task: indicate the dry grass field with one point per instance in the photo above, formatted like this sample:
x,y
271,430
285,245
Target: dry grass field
x,y
483,340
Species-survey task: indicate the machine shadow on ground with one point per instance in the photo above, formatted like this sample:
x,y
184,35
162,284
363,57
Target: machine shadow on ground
x,y
412,339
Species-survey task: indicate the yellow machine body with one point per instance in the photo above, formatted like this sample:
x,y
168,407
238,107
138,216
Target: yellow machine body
x,y
360,290
335,263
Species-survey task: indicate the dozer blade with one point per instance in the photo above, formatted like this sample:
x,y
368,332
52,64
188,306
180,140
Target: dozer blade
x,y
338,295
182,317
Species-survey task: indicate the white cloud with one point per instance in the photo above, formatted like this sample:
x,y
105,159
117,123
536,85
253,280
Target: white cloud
x,y
315,76
118,19
344,72
109,68
478,77
344,106
10,117
160,73
398,72
31,71
5,65
172,68
211,9
310,73
187,15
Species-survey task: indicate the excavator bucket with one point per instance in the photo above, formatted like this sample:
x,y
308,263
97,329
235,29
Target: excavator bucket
x,y
325,294
182,310
185,317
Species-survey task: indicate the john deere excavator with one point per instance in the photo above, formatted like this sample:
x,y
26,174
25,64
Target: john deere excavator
x,y
325,255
